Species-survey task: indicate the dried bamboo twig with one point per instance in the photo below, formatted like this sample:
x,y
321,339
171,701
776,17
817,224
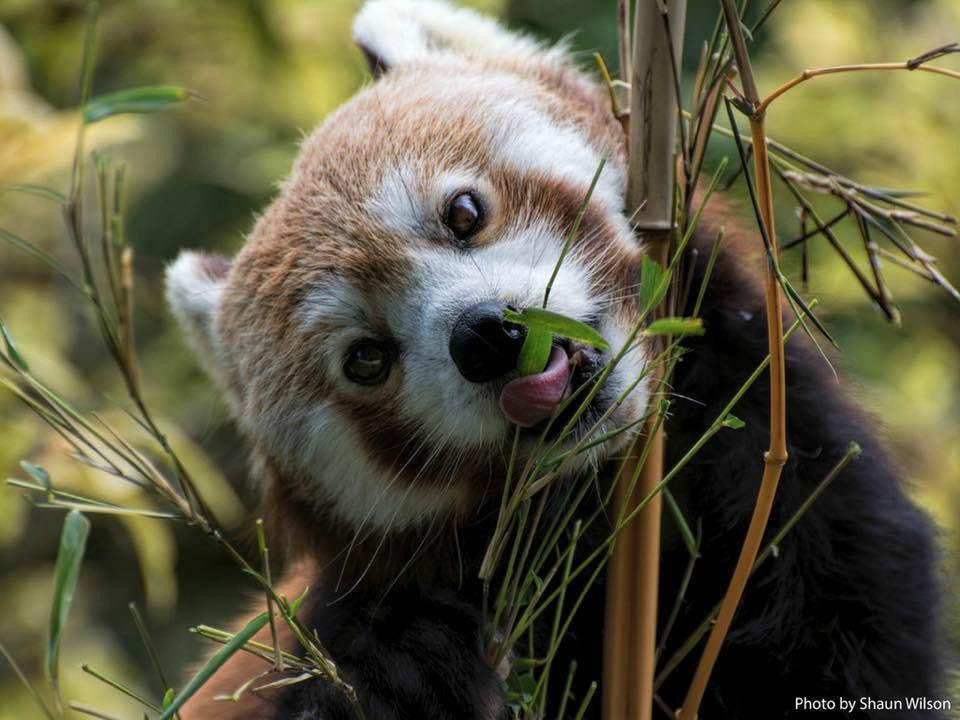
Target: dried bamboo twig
x,y
838,69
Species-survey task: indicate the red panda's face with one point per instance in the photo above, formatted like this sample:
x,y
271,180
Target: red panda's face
x,y
359,334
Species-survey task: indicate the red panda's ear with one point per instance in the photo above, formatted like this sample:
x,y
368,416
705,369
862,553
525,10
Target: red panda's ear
x,y
394,32
195,283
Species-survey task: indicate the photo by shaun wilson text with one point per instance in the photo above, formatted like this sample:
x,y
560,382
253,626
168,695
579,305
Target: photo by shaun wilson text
x,y
870,703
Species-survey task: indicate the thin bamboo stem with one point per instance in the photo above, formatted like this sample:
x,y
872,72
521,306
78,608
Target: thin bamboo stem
x,y
646,581
776,455
837,69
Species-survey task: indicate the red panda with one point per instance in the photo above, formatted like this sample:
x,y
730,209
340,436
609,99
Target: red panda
x,y
359,340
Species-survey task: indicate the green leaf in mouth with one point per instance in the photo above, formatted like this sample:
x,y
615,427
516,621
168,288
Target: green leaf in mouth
x,y
542,326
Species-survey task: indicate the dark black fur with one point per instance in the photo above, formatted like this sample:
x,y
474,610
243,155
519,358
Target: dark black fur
x,y
848,608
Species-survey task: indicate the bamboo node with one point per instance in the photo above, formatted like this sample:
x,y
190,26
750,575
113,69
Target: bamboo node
x,y
775,459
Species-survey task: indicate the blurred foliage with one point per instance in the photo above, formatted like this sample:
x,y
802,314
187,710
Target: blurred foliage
x,y
265,73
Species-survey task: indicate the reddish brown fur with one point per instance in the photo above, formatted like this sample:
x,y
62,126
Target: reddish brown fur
x,y
243,666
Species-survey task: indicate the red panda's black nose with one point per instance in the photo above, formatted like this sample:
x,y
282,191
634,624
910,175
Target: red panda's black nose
x,y
482,345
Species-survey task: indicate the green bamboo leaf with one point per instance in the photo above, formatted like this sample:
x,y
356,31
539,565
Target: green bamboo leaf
x,y
73,542
561,325
38,190
40,475
119,686
295,605
809,333
795,296
146,99
12,349
895,193
733,422
167,698
654,282
682,525
41,255
535,352
214,663
675,326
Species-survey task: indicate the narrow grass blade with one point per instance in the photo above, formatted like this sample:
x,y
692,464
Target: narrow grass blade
x,y
212,665
26,682
573,230
41,255
135,100
539,319
73,542
297,602
91,711
265,557
151,652
795,296
682,525
582,710
805,310
565,696
119,686
695,220
12,351
708,273
37,190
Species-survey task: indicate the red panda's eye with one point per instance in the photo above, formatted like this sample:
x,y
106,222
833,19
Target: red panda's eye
x,y
367,363
463,215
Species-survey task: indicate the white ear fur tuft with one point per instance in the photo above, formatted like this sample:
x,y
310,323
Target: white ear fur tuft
x,y
392,32
195,283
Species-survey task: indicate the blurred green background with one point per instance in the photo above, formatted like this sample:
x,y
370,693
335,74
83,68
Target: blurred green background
x,y
264,74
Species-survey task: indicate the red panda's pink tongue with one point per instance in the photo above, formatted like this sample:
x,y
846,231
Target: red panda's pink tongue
x,y
528,400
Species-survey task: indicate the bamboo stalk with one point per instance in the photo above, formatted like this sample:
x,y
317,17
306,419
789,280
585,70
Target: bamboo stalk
x,y
776,455
630,626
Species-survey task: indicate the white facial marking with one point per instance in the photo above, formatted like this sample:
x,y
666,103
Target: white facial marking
x,y
396,202
528,140
326,450
407,206
362,493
